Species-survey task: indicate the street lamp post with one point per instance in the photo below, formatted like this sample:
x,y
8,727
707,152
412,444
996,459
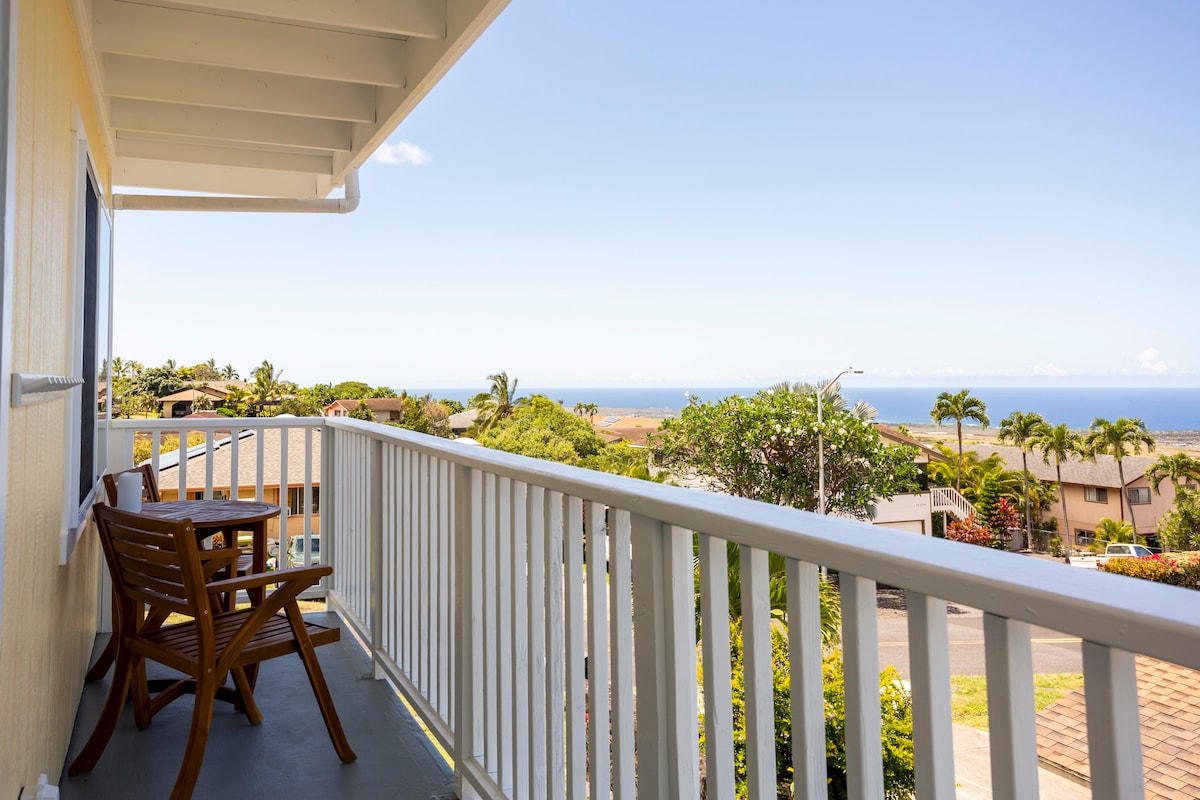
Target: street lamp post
x,y
821,439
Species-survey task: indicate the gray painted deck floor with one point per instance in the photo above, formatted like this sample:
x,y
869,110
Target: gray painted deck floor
x,y
288,755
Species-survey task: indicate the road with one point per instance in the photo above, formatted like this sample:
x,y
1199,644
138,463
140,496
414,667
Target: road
x,y
1052,651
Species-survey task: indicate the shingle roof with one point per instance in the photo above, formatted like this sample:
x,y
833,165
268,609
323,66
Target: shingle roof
x,y
168,477
1169,698
376,404
1102,473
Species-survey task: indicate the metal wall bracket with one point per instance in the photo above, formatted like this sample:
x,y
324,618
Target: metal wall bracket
x,y
28,389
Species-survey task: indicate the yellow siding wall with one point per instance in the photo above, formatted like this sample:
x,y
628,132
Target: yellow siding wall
x,y
49,611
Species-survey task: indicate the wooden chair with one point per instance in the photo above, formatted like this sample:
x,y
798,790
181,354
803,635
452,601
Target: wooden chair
x,y
149,485
157,563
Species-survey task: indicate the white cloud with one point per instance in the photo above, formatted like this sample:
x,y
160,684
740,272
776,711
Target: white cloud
x,y
1149,359
402,153
1049,370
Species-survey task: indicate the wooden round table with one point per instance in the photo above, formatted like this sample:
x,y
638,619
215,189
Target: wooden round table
x,y
209,517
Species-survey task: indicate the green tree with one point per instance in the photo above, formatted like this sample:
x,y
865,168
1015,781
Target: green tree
x,y
453,406
1060,442
156,382
958,407
383,391
237,401
363,412
1123,437
1179,528
1020,429
1180,469
206,371
765,448
831,397
542,428
500,401
1110,530
228,373
351,390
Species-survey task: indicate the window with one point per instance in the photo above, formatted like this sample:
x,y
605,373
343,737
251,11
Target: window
x,y
1084,537
1094,494
218,494
296,500
87,428
1139,496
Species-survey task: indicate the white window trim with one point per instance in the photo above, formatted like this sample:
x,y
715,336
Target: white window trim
x,y
8,136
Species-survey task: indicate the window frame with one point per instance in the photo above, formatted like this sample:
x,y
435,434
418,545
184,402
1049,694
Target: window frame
x,y
1099,494
90,347
1141,491
296,506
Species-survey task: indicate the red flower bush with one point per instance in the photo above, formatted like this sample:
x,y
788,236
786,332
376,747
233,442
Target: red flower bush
x,y
970,531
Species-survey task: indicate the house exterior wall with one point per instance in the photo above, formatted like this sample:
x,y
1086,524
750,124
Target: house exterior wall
x,y
1085,515
908,512
49,621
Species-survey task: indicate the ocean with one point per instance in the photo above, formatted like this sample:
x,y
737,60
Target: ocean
x,y
1161,409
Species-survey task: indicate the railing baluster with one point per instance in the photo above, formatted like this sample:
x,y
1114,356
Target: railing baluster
x,y
718,697
259,476
860,647
807,692
423,569
1008,656
504,633
576,737
520,630
469,738
445,593
209,449
756,644
599,764
1114,725
491,644
620,610
556,557
537,768
933,733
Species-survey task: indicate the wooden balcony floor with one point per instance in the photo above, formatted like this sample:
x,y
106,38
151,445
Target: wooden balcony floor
x,y
288,755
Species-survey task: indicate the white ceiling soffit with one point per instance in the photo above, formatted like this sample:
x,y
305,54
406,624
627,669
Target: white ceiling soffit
x,y
273,98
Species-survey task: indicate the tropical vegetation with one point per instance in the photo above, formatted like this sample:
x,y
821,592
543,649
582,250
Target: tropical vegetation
x,y
958,407
1120,438
1020,429
1060,443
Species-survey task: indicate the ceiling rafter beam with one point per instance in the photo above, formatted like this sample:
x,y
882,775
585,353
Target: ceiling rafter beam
x,y
197,38
230,126
217,87
425,19
166,150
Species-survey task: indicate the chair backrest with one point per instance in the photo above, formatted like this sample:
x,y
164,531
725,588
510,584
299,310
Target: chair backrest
x,y
149,485
154,562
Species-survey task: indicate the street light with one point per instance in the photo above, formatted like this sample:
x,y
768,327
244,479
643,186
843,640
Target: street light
x,y
821,440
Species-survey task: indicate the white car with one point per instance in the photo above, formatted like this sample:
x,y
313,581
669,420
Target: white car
x,y
296,550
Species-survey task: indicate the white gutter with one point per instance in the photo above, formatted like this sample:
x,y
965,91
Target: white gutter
x,y
284,205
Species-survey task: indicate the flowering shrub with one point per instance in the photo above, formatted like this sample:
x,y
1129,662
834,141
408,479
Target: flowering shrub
x,y
1176,569
970,531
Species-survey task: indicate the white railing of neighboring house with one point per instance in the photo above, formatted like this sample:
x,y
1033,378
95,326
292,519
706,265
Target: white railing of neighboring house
x,y
518,603
944,499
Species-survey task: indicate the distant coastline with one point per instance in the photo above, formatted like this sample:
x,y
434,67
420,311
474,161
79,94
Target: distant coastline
x,y
1173,413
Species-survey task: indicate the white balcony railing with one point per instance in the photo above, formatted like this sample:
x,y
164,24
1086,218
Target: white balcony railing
x,y
485,584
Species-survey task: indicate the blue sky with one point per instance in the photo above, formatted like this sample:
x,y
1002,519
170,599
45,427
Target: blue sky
x,y
628,194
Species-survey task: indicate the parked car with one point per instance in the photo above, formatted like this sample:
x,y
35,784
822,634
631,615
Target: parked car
x,y
1111,551
296,550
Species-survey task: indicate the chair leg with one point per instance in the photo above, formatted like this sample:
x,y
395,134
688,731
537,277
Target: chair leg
x,y
193,755
107,723
246,695
308,656
142,715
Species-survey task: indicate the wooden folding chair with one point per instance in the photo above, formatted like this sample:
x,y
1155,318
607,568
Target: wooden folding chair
x,y
156,563
149,484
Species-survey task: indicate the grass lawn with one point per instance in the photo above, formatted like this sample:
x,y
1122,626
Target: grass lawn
x,y
968,700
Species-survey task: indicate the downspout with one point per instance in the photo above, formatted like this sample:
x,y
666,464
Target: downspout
x,y
284,205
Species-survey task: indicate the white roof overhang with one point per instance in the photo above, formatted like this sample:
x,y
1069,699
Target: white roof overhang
x,y
268,98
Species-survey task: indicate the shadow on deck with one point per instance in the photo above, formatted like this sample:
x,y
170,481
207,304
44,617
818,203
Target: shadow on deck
x,y
288,755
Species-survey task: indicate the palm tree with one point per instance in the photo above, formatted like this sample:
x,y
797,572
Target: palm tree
x,y
1018,429
590,409
500,402
229,373
1062,443
831,397
266,384
958,407
1126,436
1109,530
1180,469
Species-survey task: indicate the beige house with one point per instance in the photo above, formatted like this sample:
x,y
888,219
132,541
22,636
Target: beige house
x,y
183,402
912,511
385,409
1094,491
277,478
